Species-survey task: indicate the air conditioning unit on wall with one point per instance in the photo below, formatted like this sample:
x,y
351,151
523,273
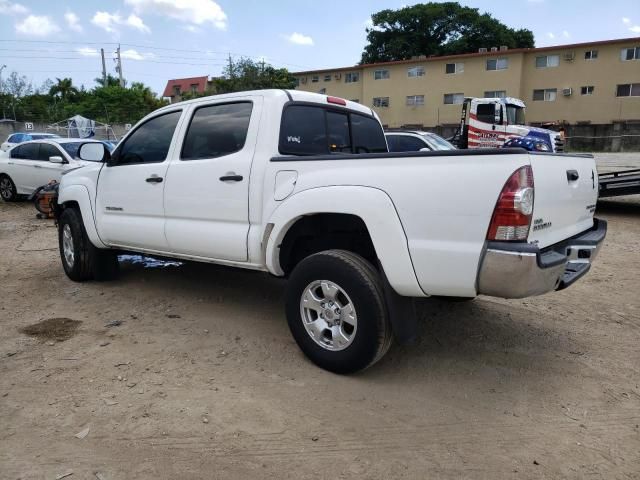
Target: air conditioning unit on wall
x,y
337,76
567,92
303,80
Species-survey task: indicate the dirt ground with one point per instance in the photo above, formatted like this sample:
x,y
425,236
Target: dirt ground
x,y
197,376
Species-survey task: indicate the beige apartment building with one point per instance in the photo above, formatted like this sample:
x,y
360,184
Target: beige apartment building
x,y
597,83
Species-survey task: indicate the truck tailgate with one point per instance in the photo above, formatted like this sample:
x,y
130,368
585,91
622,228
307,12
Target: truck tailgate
x,y
566,191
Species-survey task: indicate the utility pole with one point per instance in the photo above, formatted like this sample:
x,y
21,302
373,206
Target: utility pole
x,y
119,67
104,69
2,90
231,73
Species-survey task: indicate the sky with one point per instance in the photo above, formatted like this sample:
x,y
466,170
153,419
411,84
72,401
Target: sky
x,y
164,39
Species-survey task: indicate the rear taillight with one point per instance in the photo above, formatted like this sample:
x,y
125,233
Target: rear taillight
x,y
512,216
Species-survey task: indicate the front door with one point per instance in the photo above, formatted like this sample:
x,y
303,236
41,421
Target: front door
x,y
129,204
207,189
46,170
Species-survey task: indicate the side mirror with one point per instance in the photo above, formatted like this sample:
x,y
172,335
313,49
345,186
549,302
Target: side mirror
x,y
56,159
93,152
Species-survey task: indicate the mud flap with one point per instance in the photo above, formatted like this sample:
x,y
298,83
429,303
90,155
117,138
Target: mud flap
x,y
402,313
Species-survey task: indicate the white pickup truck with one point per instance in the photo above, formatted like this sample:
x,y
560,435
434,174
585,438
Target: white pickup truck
x,y
301,185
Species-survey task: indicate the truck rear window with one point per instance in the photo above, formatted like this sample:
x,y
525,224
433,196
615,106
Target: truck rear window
x,y
311,130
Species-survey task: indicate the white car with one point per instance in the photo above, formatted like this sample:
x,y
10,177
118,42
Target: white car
x,y
32,164
301,185
415,141
17,138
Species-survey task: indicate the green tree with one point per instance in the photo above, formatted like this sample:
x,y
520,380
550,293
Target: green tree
x,y
247,74
111,81
437,29
63,88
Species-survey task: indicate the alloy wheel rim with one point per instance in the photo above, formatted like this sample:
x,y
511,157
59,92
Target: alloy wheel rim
x,y
67,246
6,189
328,315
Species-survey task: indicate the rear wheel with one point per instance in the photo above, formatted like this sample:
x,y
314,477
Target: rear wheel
x,y
8,190
81,260
336,311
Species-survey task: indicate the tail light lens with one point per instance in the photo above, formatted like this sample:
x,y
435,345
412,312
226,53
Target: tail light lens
x,y
512,216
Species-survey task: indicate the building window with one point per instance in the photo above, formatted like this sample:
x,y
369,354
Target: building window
x,y
628,90
315,79
297,82
497,64
380,74
415,71
547,61
545,95
327,78
591,54
414,100
176,90
381,102
495,94
351,77
588,90
632,53
455,68
453,98
194,88
322,91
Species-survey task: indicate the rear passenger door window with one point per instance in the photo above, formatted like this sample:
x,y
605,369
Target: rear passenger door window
x,y
368,136
217,130
29,151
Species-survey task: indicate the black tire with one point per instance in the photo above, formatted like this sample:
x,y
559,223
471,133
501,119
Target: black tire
x,y
363,285
89,262
8,190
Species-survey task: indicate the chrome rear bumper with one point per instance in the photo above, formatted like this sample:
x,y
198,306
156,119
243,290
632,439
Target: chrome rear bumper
x,y
518,270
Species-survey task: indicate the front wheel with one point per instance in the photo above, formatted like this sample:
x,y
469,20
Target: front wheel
x,y
81,260
8,190
336,311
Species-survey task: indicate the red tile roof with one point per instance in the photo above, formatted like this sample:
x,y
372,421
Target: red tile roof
x,y
185,85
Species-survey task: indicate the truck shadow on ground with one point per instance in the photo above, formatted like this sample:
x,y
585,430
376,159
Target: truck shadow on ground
x,y
497,335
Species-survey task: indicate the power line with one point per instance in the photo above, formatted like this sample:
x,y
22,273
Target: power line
x,y
151,47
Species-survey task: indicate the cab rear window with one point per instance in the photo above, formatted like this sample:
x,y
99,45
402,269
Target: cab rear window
x,y
314,130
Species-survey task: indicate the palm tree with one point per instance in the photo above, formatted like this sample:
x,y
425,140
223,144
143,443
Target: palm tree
x,y
111,81
63,88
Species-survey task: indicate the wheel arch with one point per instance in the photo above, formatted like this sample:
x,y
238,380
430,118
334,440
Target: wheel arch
x,y
77,196
370,206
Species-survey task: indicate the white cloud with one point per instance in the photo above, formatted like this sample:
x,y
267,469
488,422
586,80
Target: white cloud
x,y
9,8
626,20
551,35
37,26
566,34
136,22
73,21
196,12
299,39
110,21
635,29
87,51
132,54
106,21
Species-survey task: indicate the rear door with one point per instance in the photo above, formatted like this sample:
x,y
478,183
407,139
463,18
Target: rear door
x,y
46,170
207,190
25,166
566,191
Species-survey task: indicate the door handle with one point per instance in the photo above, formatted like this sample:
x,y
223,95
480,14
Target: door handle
x,y
9,163
231,178
154,179
572,175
